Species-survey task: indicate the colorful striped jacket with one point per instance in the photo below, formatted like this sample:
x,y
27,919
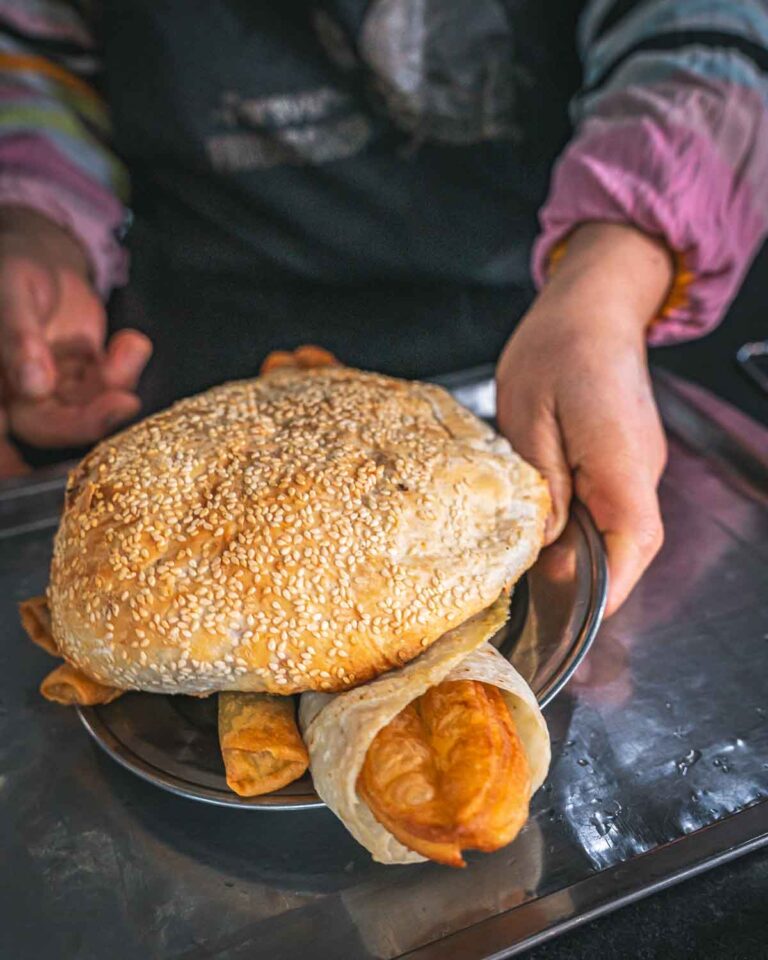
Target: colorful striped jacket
x,y
671,135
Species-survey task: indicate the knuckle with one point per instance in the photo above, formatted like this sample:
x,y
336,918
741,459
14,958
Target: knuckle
x,y
649,535
21,345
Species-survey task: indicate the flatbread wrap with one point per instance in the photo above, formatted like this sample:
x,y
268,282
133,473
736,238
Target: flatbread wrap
x,y
339,730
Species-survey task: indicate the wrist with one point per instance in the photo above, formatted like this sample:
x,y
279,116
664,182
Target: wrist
x,y
612,273
25,231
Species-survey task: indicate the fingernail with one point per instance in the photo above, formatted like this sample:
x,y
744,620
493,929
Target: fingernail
x,y
32,378
551,528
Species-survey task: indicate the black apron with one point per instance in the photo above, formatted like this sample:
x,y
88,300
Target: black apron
x,y
363,175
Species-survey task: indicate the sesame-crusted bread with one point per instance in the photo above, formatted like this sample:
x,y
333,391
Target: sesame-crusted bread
x,y
306,530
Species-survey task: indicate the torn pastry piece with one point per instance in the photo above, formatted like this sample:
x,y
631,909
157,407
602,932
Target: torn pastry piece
x,y
36,620
69,686
66,684
420,764
449,773
307,357
260,742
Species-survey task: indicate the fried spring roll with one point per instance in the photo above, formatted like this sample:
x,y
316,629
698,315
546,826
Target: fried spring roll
x,y
36,620
70,686
449,773
66,684
260,742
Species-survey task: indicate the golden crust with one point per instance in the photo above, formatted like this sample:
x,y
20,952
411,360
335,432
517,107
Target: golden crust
x,y
449,773
306,530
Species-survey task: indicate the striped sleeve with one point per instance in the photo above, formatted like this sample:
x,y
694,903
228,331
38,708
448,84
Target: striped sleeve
x,y
55,130
671,136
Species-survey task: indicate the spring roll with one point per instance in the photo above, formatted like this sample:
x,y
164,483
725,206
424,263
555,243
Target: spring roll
x,y
69,686
36,620
453,772
66,684
260,742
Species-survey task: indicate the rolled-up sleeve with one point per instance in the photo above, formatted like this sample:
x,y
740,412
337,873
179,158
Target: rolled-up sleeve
x,y
672,137
55,154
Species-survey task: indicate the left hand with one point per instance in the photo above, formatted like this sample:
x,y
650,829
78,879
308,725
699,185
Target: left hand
x,y
574,394
61,383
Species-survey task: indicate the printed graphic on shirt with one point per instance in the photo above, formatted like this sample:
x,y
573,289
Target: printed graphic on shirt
x,y
309,127
446,70
441,71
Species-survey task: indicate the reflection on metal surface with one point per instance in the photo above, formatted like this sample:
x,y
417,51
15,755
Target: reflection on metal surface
x,y
753,358
173,741
660,768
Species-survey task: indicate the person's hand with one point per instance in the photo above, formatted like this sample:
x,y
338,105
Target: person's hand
x,y
61,384
574,395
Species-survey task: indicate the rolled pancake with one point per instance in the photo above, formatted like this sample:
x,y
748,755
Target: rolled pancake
x,y
339,729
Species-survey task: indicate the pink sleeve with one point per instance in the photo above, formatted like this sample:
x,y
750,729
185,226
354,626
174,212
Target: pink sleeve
x,y
55,131
684,162
34,174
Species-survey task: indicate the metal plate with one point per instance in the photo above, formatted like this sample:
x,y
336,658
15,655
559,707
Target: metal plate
x,y
555,612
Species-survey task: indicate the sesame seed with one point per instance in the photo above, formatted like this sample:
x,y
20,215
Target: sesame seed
x,y
290,518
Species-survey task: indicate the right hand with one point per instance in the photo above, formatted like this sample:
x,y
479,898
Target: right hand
x,y
575,396
62,384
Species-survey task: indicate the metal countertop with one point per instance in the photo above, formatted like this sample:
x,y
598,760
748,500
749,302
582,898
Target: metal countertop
x,y
660,769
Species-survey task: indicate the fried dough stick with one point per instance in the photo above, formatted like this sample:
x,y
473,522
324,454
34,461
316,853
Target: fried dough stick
x,y
449,773
66,684
260,742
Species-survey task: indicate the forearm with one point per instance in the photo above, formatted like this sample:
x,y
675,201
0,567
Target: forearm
x,y
672,137
26,232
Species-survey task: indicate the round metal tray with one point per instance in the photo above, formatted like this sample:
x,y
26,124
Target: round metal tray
x,y
555,612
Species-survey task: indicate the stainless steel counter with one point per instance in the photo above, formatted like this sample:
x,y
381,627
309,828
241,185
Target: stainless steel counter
x,y
660,768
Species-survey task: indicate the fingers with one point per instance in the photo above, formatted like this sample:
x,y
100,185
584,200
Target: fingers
x,y
50,423
591,427
25,297
44,312
11,463
84,372
620,493
535,435
128,353
93,394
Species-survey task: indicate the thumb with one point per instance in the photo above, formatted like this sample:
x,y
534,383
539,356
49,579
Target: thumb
x,y
625,507
25,297
536,437
11,463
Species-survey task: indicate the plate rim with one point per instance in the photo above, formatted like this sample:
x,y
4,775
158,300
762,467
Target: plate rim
x,y
593,615
149,772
